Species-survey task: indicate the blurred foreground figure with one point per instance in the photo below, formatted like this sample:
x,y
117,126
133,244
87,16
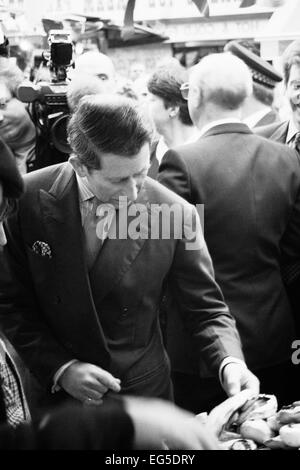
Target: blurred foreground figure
x,y
119,424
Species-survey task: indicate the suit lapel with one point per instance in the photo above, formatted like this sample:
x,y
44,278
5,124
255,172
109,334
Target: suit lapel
x,y
117,255
280,133
61,213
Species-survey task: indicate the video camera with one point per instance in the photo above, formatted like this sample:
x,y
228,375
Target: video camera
x,y
50,111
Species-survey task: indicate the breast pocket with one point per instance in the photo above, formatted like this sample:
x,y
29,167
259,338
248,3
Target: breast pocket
x,y
40,266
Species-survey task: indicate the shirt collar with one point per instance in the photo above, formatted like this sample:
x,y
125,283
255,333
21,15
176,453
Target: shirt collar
x,y
292,131
254,118
218,122
85,194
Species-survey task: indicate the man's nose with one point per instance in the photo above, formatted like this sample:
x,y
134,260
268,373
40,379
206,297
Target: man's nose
x,y
132,189
3,239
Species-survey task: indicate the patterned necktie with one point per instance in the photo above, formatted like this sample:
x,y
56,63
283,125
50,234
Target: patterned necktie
x,y
296,142
96,226
92,243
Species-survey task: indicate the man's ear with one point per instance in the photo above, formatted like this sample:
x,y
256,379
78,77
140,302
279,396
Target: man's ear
x,y
173,111
80,169
198,96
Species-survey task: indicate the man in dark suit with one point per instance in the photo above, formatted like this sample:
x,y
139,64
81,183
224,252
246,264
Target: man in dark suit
x,y
80,303
250,188
258,108
119,424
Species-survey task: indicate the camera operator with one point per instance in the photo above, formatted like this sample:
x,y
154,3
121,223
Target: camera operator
x,y
49,104
16,126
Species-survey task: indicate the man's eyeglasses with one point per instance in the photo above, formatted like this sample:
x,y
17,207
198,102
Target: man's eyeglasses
x,y
184,89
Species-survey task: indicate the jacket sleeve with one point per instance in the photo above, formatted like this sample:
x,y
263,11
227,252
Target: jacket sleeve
x,y
20,314
200,300
173,174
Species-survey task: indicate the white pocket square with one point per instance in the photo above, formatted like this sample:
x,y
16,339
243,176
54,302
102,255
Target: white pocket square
x,y
42,249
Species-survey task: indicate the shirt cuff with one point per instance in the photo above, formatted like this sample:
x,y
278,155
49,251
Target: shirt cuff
x,y
59,373
225,362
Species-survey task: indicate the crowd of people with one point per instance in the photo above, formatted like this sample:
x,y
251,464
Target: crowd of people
x,y
125,336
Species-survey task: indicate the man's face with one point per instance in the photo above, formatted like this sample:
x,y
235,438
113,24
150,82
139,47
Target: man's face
x,y
16,127
293,92
98,66
2,209
159,113
119,176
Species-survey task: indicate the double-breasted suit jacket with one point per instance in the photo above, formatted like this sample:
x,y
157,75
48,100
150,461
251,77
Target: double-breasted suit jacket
x,y
54,310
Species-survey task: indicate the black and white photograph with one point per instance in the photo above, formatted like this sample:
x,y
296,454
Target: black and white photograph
x,y
150,228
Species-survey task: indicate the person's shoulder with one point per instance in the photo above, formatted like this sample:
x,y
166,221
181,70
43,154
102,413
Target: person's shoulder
x,y
160,194
43,178
270,129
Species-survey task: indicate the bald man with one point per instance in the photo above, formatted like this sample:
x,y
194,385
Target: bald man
x,y
96,64
249,187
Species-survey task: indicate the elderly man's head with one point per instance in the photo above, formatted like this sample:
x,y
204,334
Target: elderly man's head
x,y
11,186
98,65
218,85
110,137
81,86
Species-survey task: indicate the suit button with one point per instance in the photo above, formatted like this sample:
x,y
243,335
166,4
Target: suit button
x,y
125,312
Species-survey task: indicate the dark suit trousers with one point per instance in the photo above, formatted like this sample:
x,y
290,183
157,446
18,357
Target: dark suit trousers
x,y
199,395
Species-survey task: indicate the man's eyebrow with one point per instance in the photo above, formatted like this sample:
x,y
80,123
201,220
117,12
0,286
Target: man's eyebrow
x,y
120,178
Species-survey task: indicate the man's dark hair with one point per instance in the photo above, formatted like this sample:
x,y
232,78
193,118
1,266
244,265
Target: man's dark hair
x,y
108,124
165,84
291,56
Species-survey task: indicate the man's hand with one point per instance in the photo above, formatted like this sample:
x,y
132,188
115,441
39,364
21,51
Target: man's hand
x,y
88,383
237,377
159,425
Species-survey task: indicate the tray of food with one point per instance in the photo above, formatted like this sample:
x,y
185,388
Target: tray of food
x,y
244,422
